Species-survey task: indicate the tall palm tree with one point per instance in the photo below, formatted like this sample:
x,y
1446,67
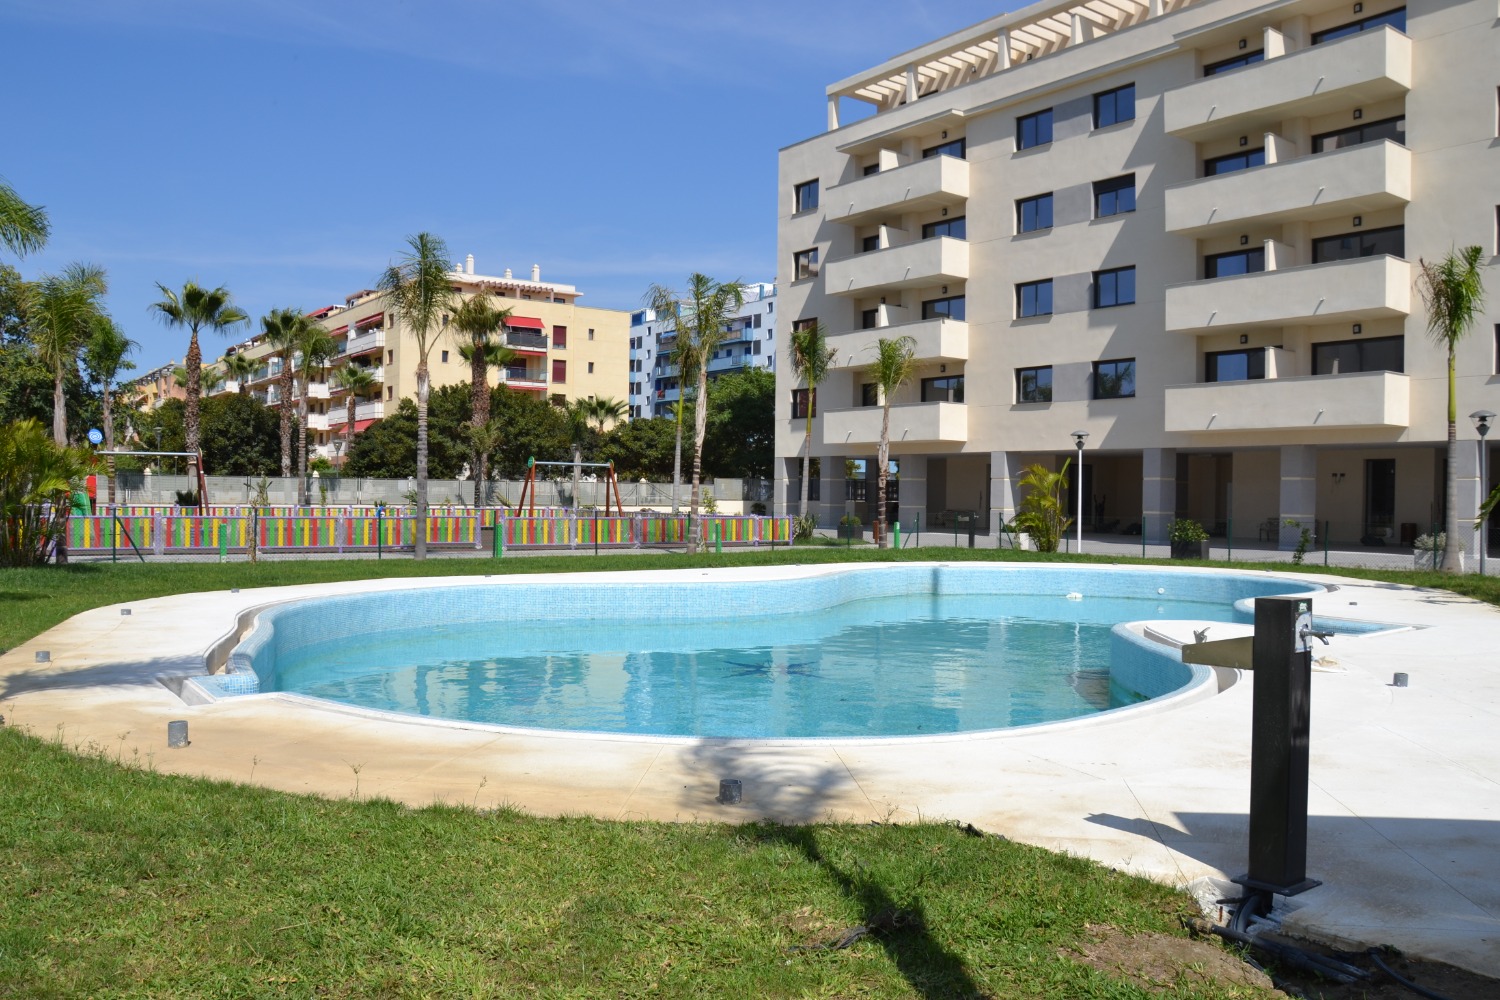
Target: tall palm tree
x,y
240,368
196,308
811,358
105,356
604,411
475,324
279,329
895,363
1453,289
419,289
485,438
700,319
314,348
576,415
64,310
23,228
357,382
209,379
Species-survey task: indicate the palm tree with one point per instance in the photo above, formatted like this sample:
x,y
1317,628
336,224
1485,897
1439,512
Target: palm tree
x,y
485,438
895,363
23,228
65,308
357,382
604,411
240,369
1042,515
314,348
36,478
811,358
105,356
279,329
196,308
475,324
576,414
209,379
700,319
419,290
1453,289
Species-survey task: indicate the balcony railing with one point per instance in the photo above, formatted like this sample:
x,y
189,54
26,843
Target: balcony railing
x,y
914,187
523,341
937,339
911,423
360,343
1310,403
1337,291
910,265
372,410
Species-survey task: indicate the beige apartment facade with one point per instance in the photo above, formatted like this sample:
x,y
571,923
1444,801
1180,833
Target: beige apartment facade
x,y
563,351
1187,229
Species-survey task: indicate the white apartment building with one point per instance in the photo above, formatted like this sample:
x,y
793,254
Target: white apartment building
x,y
751,343
1188,229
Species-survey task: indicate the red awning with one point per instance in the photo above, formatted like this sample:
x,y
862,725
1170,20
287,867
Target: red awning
x,y
360,425
335,333
524,323
369,320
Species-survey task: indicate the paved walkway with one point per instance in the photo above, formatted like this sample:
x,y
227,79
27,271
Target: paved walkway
x,y
1405,798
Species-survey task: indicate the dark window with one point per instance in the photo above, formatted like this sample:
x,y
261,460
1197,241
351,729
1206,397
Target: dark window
x,y
869,394
1034,385
1369,243
869,319
951,307
945,227
872,168
1034,213
944,389
1378,354
954,147
1115,196
1222,265
445,357
806,196
1034,298
1497,349
1115,287
1114,106
1114,379
869,243
1242,160
1225,65
1034,129
591,368
1395,18
559,370
804,264
1235,366
800,399
559,336
804,324
1393,129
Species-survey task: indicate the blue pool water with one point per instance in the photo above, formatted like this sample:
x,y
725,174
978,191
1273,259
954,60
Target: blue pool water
x,y
869,652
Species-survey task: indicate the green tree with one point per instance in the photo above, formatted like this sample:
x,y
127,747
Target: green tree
x,y
1041,513
105,356
389,448
576,419
36,478
1453,289
280,330
700,319
314,348
64,311
196,308
534,428
357,382
240,368
420,291
23,228
811,358
895,363
641,448
239,436
476,324
209,379
741,424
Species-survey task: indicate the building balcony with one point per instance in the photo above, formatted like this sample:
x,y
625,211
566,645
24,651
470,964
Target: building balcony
x,y
910,265
317,421
526,342
938,339
1359,399
521,378
915,187
1348,181
318,390
372,410
911,424
363,343
1364,288
1359,69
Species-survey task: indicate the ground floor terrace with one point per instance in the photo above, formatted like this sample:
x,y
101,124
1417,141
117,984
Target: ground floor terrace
x,y
1380,499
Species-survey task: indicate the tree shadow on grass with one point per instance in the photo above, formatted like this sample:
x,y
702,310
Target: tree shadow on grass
x,y
898,926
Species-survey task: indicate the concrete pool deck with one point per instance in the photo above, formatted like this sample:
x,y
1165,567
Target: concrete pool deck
x,y
1404,807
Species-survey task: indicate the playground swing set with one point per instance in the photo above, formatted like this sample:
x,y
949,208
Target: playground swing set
x,y
611,485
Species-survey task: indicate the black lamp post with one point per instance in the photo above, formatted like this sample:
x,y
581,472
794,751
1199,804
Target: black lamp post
x,y
1078,439
1482,420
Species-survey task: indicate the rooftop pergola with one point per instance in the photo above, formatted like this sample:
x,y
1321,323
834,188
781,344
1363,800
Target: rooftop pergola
x,y
989,47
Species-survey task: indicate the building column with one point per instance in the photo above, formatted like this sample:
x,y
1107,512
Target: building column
x,y
782,500
1468,496
1158,493
913,489
1299,493
1004,470
833,113
831,481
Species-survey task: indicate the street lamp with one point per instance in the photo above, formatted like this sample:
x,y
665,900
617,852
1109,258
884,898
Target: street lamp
x,y
1482,420
1078,437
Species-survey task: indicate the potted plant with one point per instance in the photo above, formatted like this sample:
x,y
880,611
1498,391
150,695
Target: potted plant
x,y
1428,552
850,527
1189,540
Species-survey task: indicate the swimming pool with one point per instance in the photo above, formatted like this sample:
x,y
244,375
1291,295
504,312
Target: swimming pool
x,y
881,651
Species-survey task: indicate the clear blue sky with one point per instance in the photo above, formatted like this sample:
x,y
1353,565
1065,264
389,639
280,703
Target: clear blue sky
x,y
286,149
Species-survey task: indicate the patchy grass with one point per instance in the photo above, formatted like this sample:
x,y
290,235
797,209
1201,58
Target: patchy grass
x,y
124,882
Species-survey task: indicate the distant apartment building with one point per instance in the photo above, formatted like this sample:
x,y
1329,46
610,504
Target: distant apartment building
x,y
750,342
562,351
155,387
1186,228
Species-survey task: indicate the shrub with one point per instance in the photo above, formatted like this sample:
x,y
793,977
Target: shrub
x,y
1186,530
1041,514
803,525
36,480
